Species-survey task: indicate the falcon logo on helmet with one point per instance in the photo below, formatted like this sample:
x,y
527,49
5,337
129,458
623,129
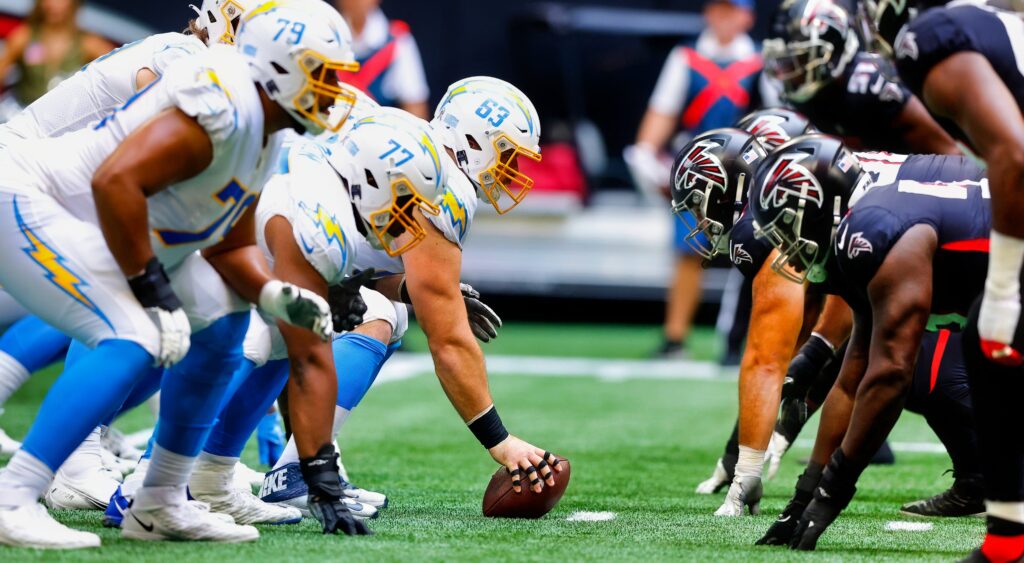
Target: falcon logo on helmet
x,y
700,165
768,130
790,178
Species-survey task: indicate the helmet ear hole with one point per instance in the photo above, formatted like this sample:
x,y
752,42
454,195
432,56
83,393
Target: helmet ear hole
x,y
211,17
278,68
473,144
370,180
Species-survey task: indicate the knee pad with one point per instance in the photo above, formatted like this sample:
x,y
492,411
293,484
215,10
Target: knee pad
x,y
257,344
380,308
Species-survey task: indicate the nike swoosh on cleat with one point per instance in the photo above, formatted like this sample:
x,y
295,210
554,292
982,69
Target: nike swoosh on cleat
x,y
148,528
784,519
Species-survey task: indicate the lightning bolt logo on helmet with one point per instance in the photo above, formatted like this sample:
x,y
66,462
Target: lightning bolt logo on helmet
x,y
700,165
790,178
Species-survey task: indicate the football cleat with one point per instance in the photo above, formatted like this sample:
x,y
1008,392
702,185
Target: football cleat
x,y
31,526
8,445
965,498
247,478
116,464
183,522
284,485
113,516
744,493
89,492
719,480
783,529
213,484
115,442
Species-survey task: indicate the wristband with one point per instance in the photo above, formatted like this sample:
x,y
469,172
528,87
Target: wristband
x,y
487,428
824,340
153,288
403,292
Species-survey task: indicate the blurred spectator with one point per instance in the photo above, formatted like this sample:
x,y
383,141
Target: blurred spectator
x,y
708,85
392,71
48,48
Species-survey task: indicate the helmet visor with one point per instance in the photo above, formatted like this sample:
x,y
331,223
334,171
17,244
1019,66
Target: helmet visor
x,y
324,91
396,227
504,185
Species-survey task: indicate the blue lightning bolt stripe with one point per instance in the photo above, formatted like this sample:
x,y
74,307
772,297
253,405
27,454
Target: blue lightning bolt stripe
x,y
328,225
57,271
456,211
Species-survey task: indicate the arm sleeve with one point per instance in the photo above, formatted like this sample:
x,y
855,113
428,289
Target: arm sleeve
x,y
670,92
407,81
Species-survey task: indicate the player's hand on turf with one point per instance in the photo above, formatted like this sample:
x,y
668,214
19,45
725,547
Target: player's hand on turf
x,y
482,319
347,305
297,306
784,528
152,287
526,462
320,473
816,519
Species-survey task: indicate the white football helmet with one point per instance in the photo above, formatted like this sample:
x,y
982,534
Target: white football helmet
x,y
489,124
295,49
221,18
391,162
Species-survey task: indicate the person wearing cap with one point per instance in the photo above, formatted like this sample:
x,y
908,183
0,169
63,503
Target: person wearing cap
x,y
391,70
704,85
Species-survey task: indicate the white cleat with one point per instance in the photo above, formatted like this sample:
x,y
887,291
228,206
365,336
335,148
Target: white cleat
x,y
718,480
91,491
8,445
118,465
116,443
245,508
777,448
247,478
183,522
362,496
744,493
31,526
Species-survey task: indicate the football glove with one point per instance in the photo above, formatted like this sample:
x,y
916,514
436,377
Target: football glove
x,y
153,290
482,319
325,494
347,305
803,370
783,529
297,306
831,497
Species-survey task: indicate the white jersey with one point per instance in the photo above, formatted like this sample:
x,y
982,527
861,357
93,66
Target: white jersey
x,y
216,89
311,197
99,88
456,216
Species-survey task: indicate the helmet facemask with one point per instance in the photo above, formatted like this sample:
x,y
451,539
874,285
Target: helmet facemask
x,y
801,258
503,180
396,228
323,92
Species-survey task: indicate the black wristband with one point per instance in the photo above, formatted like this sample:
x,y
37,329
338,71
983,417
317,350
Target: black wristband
x,y
403,293
153,288
488,429
818,351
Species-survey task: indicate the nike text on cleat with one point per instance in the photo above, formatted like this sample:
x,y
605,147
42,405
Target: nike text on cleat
x,y
183,522
285,485
31,526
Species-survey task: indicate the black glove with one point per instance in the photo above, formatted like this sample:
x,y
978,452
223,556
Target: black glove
x,y
482,319
783,529
803,370
153,288
831,497
321,475
792,417
347,306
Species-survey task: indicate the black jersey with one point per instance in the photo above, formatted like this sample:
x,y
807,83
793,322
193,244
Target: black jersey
x,y
748,253
861,105
960,214
942,32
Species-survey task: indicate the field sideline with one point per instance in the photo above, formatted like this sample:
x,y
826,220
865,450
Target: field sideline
x,y
638,447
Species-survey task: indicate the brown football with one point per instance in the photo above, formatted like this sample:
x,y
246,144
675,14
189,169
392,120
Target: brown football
x,y
500,501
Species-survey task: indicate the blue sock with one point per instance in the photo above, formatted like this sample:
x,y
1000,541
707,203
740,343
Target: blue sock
x,y
358,360
33,343
246,409
193,391
82,396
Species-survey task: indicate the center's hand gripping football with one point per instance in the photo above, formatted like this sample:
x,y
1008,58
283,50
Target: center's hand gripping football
x,y
153,290
525,461
297,306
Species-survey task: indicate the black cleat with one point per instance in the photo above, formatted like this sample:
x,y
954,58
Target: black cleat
x,y
964,498
783,529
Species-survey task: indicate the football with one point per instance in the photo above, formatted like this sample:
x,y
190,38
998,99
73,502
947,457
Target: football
x,y
500,501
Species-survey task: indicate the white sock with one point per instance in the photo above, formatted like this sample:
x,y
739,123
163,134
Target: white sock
x,y
218,460
1012,511
86,459
1002,286
23,481
168,469
133,482
155,497
291,452
750,462
12,376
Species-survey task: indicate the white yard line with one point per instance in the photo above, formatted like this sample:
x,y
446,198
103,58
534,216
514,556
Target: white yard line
x,y
584,516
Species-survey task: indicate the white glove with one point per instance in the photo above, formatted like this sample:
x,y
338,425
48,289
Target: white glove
x,y
718,480
777,448
175,335
298,307
650,174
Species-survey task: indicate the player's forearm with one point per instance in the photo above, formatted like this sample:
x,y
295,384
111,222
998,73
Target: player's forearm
x,y
124,220
835,323
312,394
244,269
460,367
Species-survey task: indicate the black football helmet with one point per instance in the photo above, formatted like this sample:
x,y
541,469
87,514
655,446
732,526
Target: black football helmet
x,y
811,43
800,194
775,126
887,18
710,180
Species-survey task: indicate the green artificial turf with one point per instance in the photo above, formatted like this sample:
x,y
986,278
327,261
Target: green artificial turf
x,y
638,448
